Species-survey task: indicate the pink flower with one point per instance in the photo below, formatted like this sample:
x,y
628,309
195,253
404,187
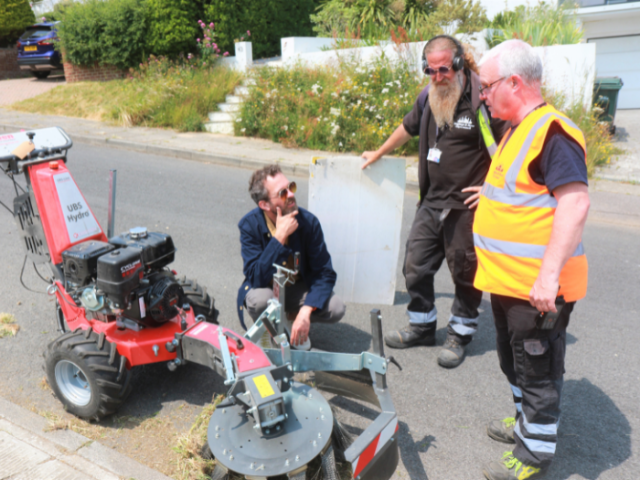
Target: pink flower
x,y
211,24
248,33
225,54
215,46
44,19
198,40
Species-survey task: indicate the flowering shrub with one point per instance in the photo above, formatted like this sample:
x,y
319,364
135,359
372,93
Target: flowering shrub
x,y
207,47
349,107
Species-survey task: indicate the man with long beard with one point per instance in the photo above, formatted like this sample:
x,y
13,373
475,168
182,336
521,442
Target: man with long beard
x,y
271,234
456,137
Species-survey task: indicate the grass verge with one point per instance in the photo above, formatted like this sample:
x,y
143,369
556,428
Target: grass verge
x,y
158,94
8,326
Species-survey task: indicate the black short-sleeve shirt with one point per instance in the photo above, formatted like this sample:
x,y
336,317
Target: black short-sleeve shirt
x,y
464,161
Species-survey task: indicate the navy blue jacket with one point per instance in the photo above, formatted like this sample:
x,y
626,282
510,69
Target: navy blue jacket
x,y
260,251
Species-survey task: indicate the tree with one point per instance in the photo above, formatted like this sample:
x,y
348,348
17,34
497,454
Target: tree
x,y
15,17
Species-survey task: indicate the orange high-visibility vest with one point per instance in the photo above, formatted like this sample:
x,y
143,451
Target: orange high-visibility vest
x,y
514,218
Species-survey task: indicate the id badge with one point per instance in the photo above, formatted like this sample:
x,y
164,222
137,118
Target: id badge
x,y
434,155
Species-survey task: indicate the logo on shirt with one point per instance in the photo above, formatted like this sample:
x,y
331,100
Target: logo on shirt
x,y
498,172
465,123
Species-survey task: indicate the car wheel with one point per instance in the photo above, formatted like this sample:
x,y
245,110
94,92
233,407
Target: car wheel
x,y
41,75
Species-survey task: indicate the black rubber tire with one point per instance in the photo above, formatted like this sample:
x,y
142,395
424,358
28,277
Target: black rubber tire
x,y
41,74
103,368
201,302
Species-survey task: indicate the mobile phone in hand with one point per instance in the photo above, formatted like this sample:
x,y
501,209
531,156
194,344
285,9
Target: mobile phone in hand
x,y
547,320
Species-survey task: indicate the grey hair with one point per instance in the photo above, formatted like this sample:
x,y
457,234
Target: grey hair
x,y
516,57
256,185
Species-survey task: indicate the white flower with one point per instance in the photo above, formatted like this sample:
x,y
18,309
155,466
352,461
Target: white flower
x,y
353,134
335,128
340,144
385,103
378,117
302,127
238,120
315,88
398,82
366,84
334,94
326,119
335,111
243,130
385,90
285,128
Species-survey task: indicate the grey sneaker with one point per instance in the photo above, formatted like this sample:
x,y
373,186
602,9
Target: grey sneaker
x,y
452,353
502,430
411,335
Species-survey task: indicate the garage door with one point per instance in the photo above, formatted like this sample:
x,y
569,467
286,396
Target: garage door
x,y
620,57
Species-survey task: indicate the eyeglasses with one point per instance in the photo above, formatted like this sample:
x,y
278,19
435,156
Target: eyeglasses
x,y
441,70
282,194
483,88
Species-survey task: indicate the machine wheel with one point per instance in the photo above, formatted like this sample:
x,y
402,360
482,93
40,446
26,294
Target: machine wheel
x,y
201,302
41,74
87,373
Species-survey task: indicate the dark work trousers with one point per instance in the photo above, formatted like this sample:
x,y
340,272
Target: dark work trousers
x,y
431,240
533,361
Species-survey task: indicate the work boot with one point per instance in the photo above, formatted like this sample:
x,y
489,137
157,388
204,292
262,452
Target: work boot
x,y
411,335
452,353
502,430
510,468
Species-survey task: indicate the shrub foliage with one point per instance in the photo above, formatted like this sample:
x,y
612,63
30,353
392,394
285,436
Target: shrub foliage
x,y
15,17
267,20
109,32
344,108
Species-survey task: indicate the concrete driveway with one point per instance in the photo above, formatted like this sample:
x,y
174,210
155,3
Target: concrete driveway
x,y
626,167
18,89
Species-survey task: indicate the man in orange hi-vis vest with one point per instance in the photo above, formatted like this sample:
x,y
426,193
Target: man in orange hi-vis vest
x,y
527,234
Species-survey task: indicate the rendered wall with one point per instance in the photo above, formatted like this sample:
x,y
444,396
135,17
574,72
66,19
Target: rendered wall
x,y
361,215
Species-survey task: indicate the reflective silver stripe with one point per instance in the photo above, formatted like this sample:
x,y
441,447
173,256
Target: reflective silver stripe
x,y
516,391
514,169
519,199
423,317
519,407
463,326
514,249
535,445
538,428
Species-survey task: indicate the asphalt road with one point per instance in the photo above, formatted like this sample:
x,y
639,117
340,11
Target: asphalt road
x,y
442,412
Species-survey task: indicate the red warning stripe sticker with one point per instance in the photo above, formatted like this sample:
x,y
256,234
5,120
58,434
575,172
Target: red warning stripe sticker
x,y
374,447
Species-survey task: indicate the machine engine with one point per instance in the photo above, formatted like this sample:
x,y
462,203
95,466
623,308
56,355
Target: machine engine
x,y
125,278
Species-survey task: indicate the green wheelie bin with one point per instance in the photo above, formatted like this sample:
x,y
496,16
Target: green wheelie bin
x,y
605,96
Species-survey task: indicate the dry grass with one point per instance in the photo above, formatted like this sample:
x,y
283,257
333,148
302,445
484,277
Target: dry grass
x,y
8,326
191,465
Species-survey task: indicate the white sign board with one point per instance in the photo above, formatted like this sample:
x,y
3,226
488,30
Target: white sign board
x,y
80,221
361,214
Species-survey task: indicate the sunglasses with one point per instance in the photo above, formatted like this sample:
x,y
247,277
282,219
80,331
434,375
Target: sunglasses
x,y
282,194
441,70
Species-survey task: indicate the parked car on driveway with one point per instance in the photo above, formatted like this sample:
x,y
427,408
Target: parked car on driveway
x,y
36,52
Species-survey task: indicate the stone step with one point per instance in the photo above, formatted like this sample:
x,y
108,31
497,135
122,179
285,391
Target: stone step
x,y
229,107
225,128
220,117
241,91
234,99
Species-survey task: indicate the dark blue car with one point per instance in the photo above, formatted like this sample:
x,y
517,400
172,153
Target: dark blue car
x,y
36,52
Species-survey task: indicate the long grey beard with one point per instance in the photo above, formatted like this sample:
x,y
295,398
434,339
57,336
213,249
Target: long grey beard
x,y
443,100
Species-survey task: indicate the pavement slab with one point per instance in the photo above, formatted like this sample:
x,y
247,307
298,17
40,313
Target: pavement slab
x,y
28,451
18,89
626,167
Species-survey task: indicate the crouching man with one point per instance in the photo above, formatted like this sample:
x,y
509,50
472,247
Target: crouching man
x,y
271,234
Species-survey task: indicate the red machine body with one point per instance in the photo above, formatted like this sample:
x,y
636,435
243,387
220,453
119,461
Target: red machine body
x,y
48,180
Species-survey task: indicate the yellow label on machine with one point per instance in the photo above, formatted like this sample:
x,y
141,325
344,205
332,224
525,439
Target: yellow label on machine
x,y
263,386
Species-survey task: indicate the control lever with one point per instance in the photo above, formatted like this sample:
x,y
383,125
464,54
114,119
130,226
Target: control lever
x,y
394,361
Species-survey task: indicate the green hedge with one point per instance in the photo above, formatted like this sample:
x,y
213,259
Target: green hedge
x,y
267,20
173,26
15,17
109,32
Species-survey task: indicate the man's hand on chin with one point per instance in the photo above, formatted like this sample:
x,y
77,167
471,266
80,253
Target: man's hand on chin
x,y
300,328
